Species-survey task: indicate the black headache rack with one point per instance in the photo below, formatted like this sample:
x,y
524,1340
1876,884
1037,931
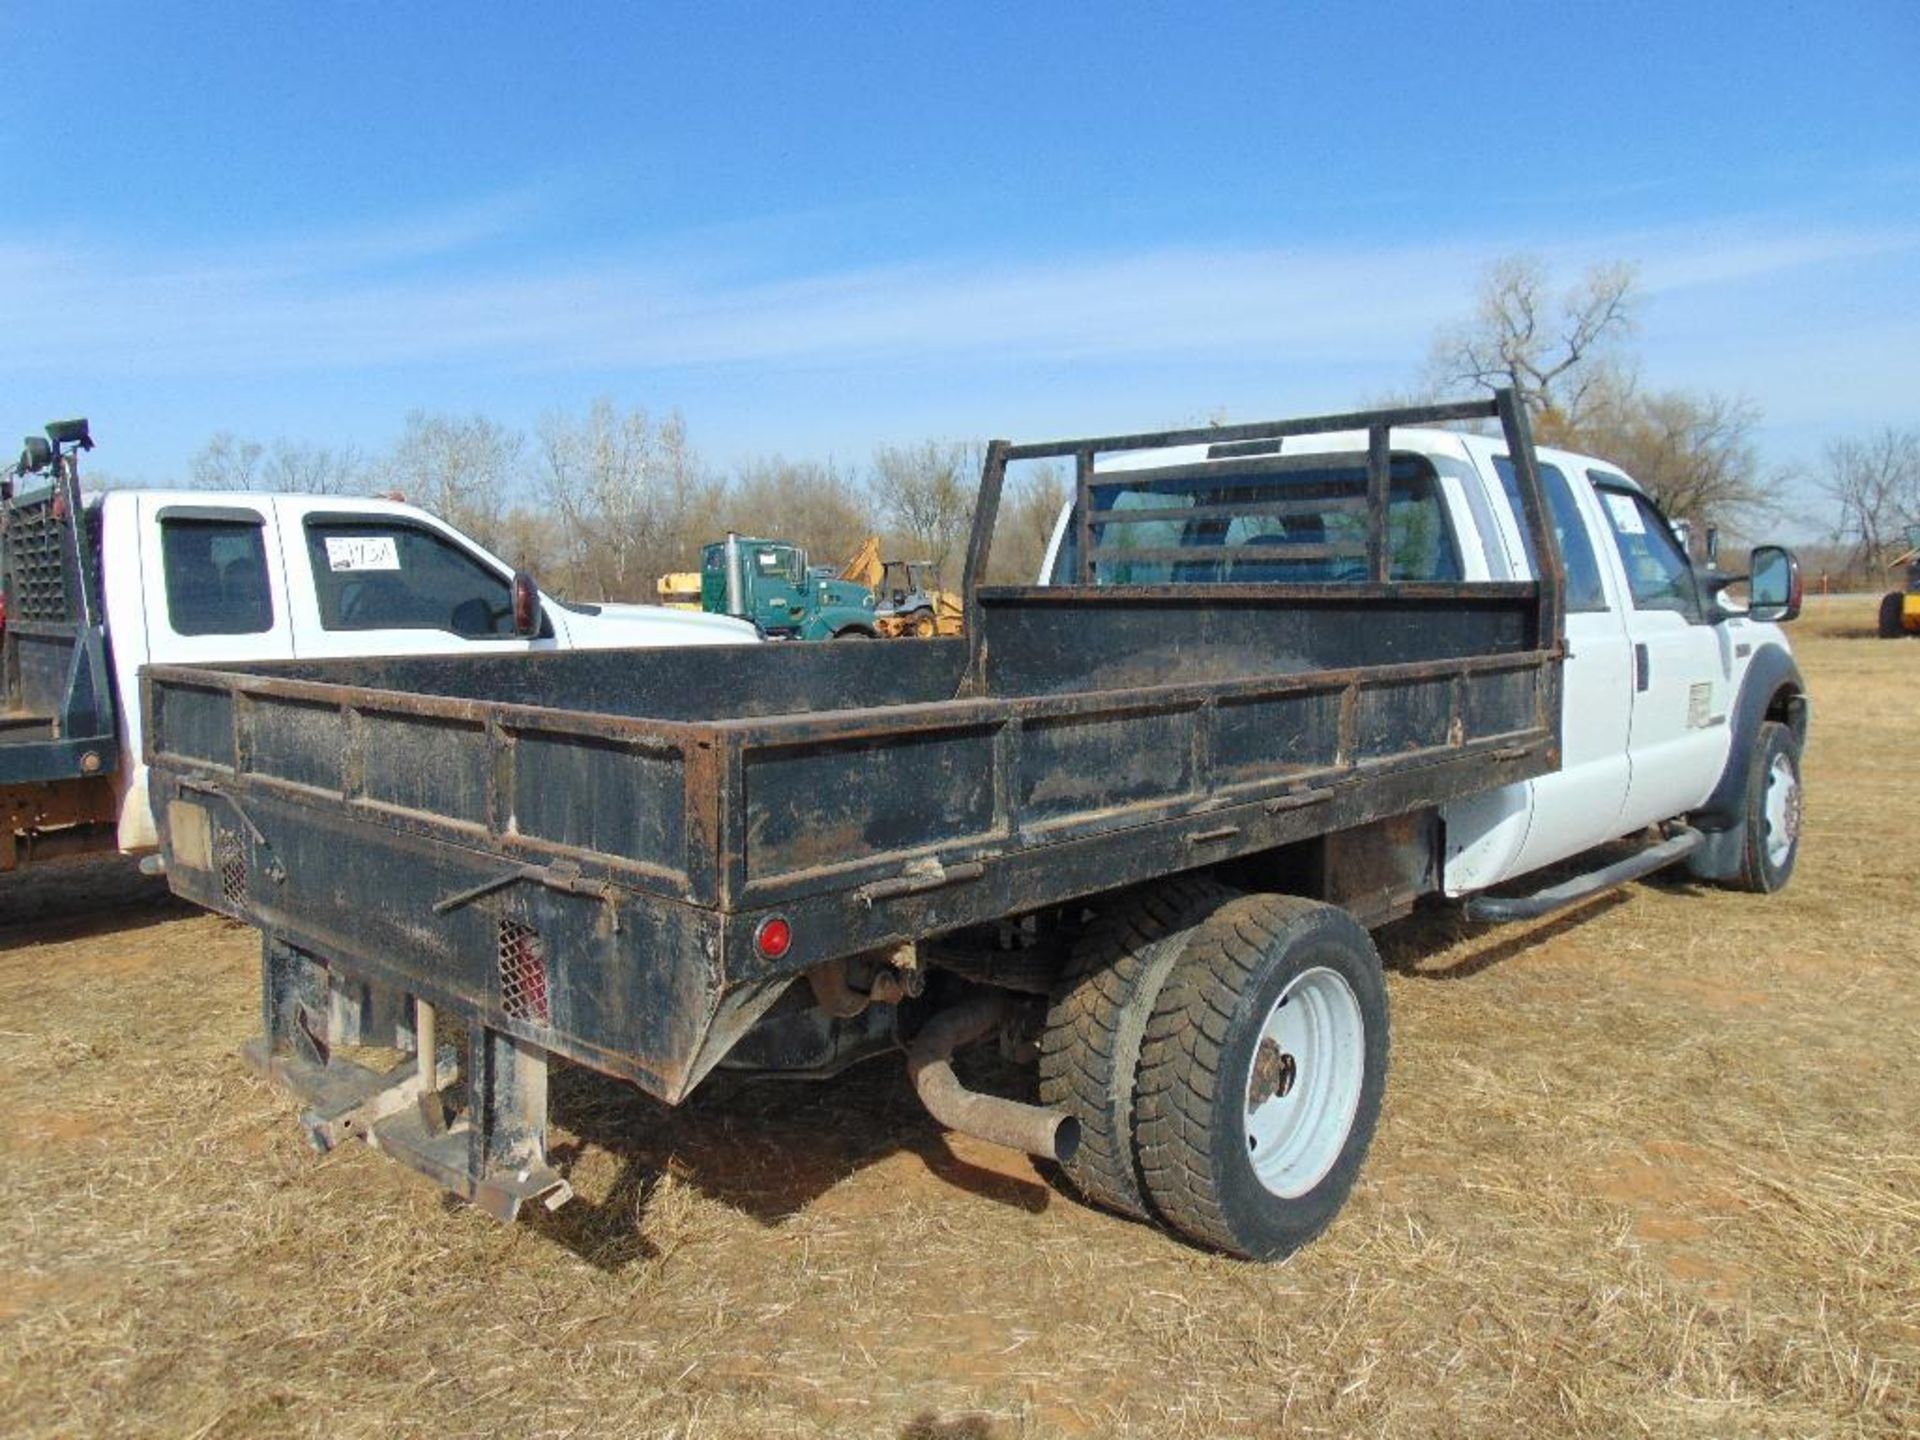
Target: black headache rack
x,y
580,853
57,713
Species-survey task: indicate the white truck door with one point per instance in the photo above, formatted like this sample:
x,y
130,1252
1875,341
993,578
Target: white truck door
x,y
1578,805
1679,735
211,589
368,582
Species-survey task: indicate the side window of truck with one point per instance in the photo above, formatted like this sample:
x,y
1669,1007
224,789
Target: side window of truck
x,y
1658,572
1584,590
390,575
216,575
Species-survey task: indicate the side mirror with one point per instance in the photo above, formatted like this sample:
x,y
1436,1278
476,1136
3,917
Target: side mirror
x,y
1774,586
526,605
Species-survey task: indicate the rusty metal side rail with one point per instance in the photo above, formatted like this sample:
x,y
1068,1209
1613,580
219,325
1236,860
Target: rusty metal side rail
x,y
933,715
1330,705
708,847
340,720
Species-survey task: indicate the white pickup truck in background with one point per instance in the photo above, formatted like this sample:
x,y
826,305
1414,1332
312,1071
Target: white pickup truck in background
x,y
1679,704
94,588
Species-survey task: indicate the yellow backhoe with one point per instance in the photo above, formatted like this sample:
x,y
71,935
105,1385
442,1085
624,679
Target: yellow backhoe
x,y
1900,609
909,595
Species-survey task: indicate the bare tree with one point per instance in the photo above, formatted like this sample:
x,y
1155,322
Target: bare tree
x,y
1551,350
1695,453
1874,485
926,491
310,469
816,505
233,462
1029,510
529,539
624,490
463,469
227,462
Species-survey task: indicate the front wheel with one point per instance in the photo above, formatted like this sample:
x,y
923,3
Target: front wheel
x,y
1892,621
1262,1075
1770,838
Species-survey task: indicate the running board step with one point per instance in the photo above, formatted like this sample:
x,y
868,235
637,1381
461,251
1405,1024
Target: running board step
x,y
1497,909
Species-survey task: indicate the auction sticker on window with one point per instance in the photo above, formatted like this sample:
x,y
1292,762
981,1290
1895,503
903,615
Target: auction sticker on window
x,y
362,552
1626,514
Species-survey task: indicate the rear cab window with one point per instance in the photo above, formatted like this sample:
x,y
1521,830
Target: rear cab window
x,y
377,574
1291,520
1585,592
216,574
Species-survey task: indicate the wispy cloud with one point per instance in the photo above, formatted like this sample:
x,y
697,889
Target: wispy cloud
x,y
463,289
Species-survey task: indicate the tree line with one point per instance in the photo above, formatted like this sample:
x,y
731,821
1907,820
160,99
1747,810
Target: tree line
x,y
599,504
602,502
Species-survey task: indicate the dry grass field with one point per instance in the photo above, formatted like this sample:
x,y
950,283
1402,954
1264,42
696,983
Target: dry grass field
x,y
1651,1169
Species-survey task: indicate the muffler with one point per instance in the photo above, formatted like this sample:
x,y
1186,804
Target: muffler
x,y
1034,1129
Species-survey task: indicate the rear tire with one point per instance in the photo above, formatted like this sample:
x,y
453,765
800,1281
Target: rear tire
x,y
1770,833
1892,623
1262,1075
1090,1051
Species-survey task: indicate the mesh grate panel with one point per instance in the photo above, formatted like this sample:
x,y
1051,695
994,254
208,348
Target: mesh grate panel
x,y
231,856
523,971
37,575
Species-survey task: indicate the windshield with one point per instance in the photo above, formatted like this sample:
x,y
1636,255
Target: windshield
x,y
1277,521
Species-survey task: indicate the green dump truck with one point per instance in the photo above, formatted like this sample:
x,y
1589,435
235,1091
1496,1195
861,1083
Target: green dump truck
x,y
770,583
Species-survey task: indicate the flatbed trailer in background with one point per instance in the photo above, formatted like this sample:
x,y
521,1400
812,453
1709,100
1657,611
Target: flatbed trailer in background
x,y
628,859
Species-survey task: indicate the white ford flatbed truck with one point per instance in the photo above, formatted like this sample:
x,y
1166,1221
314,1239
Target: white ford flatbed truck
x,y
93,587
1278,683
1668,689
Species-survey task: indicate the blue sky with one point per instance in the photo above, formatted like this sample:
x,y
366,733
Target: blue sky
x,y
818,229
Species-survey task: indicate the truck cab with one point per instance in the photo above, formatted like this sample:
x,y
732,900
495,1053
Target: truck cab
x,y
139,577
1667,682
771,583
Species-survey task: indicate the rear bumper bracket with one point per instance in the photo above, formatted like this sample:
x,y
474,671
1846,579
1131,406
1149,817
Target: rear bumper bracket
x,y
493,1153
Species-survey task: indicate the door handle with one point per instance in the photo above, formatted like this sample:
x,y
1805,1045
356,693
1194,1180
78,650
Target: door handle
x,y
1642,668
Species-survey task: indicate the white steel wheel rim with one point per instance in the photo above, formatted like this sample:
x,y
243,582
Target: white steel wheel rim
x,y
1303,1082
1782,809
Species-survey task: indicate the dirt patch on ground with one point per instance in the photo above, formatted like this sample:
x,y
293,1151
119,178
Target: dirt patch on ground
x,y
1648,1169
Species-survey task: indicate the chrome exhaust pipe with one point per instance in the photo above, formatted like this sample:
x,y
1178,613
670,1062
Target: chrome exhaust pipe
x,y
1052,1134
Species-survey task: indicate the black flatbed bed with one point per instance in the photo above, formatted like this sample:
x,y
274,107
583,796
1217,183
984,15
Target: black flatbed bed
x,y
644,813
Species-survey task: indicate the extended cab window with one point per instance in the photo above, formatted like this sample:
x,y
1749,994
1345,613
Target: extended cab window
x,y
387,575
1584,591
216,575
1291,521
1658,572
